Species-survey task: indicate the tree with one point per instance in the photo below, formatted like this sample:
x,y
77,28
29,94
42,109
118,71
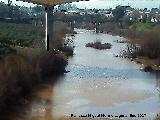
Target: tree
x,y
119,12
136,15
9,2
38,9
10,8
127,21
144,18
3,10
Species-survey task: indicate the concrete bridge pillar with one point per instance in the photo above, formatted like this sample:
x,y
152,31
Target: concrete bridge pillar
x,y
49,26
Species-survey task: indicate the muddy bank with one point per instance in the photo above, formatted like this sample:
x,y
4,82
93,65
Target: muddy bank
x,y
143,46
148,65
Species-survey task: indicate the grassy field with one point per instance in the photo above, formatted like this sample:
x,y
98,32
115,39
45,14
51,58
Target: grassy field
x,y
24,35
142,26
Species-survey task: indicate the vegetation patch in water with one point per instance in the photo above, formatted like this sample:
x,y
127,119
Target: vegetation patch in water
x,y
99,45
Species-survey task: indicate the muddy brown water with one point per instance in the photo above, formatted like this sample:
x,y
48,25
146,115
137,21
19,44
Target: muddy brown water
x,y
98,83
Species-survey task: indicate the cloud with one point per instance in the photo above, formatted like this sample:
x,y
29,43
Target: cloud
x,y
113,3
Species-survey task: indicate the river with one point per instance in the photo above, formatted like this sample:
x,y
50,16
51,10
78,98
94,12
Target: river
x,y
98,82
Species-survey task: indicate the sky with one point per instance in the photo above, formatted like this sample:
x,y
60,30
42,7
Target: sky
x,y
106,3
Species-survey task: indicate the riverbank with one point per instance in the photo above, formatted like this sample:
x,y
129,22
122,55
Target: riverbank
x,y
19,74
30,64
157,118
143,43
152,64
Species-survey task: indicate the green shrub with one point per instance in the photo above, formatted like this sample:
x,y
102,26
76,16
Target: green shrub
x,y
142,26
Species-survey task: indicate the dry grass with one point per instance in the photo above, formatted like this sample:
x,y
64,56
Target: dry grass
x,y
158,117
18,74
28,67
148,45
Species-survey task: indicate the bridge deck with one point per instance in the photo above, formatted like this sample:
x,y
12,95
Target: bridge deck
x,y
50,2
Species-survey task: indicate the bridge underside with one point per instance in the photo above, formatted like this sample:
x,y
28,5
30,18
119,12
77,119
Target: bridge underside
x,y
49,2
49,6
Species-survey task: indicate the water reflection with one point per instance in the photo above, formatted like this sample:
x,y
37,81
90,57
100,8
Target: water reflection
x,y
158,82
108,84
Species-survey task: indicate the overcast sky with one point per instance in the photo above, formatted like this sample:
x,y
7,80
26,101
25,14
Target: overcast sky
x,y
108,3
